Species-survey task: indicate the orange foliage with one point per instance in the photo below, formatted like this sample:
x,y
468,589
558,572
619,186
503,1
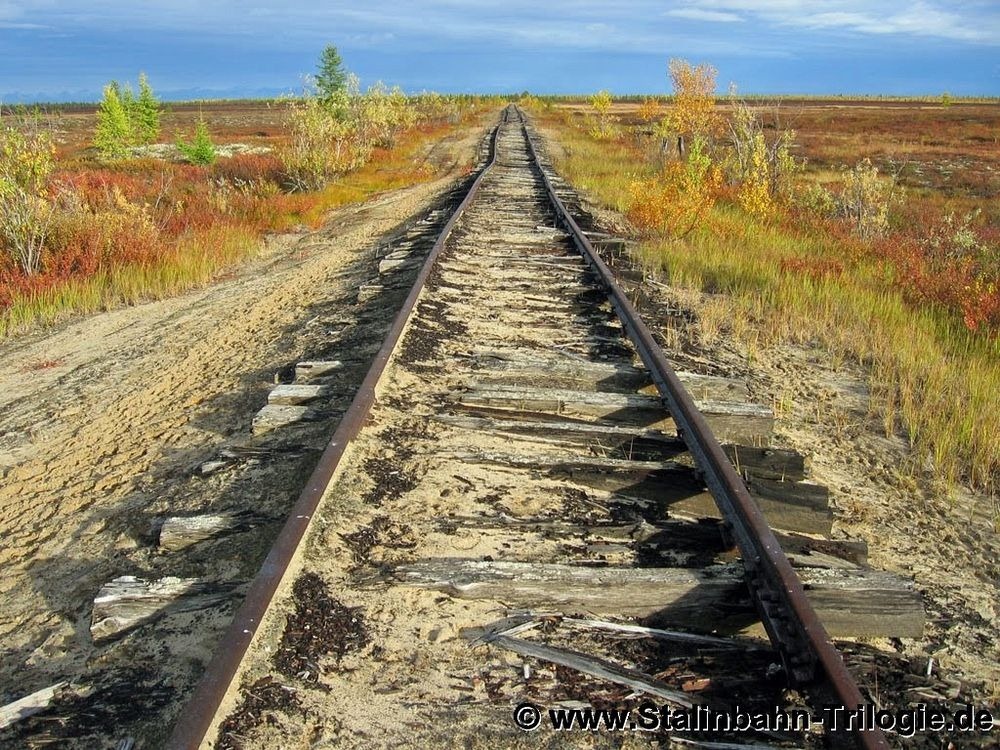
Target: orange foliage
x,y
139,212
693,113
650,109
965,283
250,168
674,202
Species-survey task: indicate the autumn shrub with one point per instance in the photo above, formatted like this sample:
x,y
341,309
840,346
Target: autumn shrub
x,y
673,202
87,239
650,109
529,101
865,199
25,210
758,166
382,114
693,114
322,145
949,264
434,106
815,199
250,168
338,134
601,127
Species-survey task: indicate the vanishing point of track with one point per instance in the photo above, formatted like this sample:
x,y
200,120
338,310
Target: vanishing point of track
x,y
511,311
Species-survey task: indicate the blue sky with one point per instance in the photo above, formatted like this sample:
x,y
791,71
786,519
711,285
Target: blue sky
x,y
67,50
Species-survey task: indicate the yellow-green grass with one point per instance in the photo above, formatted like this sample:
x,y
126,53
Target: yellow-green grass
x,y
196,259
929,376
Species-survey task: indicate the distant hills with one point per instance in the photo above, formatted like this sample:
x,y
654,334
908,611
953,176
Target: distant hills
x,y
169,95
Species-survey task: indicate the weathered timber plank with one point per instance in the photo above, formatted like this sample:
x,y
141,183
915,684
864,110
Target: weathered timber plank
x,y
674,489
513,368
178,532
729,421
127,602
275,416
800,493
404,263
802,549
851,603
561,284
295,394
29,705
646,444
693,501
767,462
593,666
368,292
317,369
706,535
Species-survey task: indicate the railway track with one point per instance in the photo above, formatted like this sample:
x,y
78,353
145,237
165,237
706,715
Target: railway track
x,y
519,482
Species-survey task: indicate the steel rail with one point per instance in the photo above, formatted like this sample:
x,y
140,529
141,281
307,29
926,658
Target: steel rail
x,y
790,620
198,716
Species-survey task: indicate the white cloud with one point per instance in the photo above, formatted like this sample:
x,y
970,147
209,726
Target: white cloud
x,y
969,22
701,14
626,26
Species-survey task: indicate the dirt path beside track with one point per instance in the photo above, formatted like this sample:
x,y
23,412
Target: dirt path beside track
x,y
103,420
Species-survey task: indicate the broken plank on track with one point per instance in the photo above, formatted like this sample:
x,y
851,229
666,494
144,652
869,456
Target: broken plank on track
x,y
29,705
275,416
602,669
629,630
850,603
295,394
774,463
730,421
706,533
569,464
178,532
127,602
317,369
672,488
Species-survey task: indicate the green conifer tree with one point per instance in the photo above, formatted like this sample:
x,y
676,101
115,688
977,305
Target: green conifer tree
x,y
331,79
114,129
201,150
146,113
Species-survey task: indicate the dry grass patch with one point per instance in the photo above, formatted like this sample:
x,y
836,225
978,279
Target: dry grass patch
x,y
933,378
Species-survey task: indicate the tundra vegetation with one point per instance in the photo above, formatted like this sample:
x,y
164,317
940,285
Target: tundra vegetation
x,y
881,247
92,216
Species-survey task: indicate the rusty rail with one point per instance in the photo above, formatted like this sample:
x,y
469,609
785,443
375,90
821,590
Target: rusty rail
x,y
198,715
790,621
789,618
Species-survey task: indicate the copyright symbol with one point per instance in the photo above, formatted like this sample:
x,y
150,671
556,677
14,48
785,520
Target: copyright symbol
x,y
527,716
